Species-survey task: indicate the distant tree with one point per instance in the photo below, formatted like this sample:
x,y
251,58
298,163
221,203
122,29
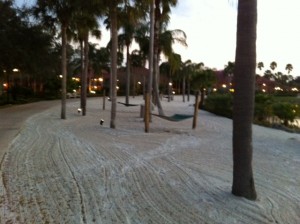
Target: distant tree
x,y
260,65
202,80
273,66
268,74
185,72
229,69
289,68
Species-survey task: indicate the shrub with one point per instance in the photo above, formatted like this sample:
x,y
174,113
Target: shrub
x,y
220,104
285,111
263,107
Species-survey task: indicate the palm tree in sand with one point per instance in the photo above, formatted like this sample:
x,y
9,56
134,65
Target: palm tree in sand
x,y
243,105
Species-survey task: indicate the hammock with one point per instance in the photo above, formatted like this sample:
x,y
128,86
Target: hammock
x,y
175,117
128,104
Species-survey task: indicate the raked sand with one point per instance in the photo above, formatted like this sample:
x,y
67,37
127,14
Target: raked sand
x,y
77,171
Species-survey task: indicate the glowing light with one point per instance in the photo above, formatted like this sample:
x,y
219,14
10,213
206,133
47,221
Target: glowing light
x,y
224,86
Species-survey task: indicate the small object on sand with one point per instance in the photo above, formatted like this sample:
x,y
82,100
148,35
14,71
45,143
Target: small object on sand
x,y
101,122
79,110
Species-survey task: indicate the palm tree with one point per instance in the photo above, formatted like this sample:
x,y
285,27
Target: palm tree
x,y
203,79
130,17
229,70
54,12
289,68
260,65
175,63
273,65
142,41
112,7
162,10
268,74
185,70
243,103
85,22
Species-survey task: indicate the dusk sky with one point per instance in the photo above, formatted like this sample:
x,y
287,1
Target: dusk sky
x,y
210,26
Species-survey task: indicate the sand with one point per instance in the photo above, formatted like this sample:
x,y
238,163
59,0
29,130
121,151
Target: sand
x,y
78,171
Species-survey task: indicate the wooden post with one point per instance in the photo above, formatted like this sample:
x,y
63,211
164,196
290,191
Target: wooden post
x,y
196,110
147,112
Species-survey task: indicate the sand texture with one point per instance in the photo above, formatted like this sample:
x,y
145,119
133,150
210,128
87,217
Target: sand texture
x,y
77,171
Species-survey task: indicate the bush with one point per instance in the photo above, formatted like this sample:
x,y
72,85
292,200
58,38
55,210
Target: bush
x,y
285,111
220,104
263,107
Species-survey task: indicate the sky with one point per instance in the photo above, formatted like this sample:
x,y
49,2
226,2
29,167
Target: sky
x,y
210,26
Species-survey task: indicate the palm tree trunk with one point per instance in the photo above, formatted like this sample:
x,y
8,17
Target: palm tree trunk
x,y
243,105
156,54
64,70
114,45
188,88
183,89
85,74
155,86
82,77
128,74
148,95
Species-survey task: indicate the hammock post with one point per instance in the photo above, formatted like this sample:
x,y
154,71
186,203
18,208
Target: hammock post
x,y
196,110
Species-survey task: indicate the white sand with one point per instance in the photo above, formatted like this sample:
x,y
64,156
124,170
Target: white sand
x,y
76,171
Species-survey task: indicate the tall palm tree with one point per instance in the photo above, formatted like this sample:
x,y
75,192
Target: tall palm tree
x,y
243,103
112,8
54,12
86,22
130,17
148,99
162,10
273,66
174,61
185,71
289,68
